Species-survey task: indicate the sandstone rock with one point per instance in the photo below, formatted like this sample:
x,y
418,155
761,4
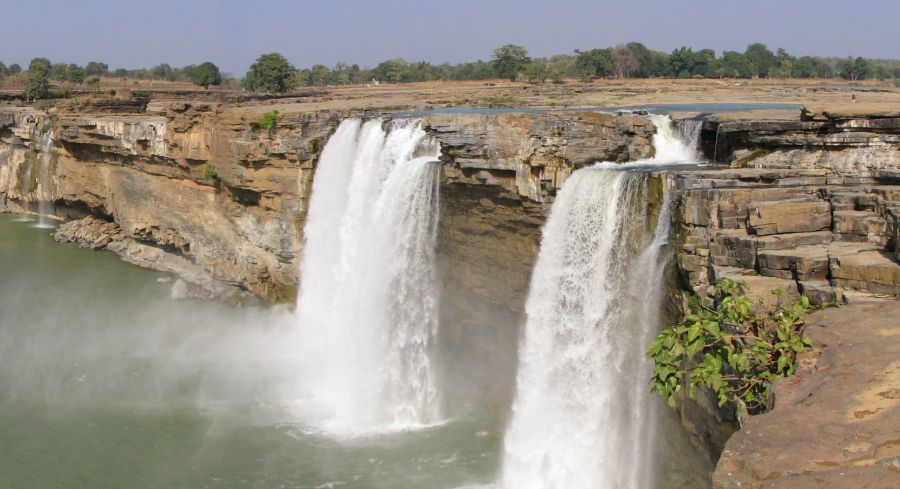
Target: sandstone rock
x,y
870,271
759,288
802,263
789,217
834,423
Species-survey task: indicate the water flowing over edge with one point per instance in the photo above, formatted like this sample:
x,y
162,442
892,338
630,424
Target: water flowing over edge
x,y
582,417
367,308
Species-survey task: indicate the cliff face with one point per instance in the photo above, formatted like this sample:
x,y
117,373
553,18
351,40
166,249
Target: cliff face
x,y
235,235
240,233
500,176
809,206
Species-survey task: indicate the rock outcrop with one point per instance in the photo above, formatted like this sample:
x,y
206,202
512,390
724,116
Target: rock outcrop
x,y
836,423
147,172
808,206
499,178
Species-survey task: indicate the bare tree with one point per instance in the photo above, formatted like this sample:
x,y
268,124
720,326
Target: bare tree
x,y
624,62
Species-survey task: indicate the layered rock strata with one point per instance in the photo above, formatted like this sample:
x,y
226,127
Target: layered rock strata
x,y
194,181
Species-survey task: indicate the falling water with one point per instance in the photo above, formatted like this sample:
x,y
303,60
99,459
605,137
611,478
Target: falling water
x,y
367,306
582,417
672,144
44,175
689,129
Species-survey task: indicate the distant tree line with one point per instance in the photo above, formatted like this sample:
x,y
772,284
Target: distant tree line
x,y
41,72
631,60
272,73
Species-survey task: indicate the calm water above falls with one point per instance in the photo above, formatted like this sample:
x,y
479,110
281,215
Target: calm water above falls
x,y
106,382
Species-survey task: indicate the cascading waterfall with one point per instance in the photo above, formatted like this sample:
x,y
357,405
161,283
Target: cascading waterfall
x,y
583,417
672,144
690,134
367,306
42,190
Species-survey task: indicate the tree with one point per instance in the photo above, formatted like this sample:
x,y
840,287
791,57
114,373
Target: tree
x,y
392,70
735,65
37,84
659,64
593,63
682,62
624,62
58,71
319,75
14,69
271,73
762,60
705,63
643,56
509,60
93,82
854,69
75,74
95,68
206,74
4,71
162,72
537,72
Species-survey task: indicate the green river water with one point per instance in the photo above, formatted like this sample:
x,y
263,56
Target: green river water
x,y
107,382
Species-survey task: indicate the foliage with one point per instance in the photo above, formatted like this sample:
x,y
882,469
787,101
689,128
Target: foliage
x,y
37,83
141,94
760,58
206,74
209,172
593,63
95,68
75,74
58,71
93,82
14,69
509,60
724,346
854,69
271,73
537,72
268,120
682,62
45,104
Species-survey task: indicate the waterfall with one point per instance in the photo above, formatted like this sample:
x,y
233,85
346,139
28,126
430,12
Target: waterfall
x,y
582,416
689,129
43,189
367,306
675,143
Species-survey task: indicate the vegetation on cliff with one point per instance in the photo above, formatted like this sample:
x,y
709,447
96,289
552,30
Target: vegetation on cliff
x,y
724,345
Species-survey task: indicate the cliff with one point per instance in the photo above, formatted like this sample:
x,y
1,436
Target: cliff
x,y
235,235
806,204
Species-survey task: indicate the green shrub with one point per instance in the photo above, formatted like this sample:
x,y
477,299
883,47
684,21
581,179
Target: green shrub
x,y
729,349
209,172
45,104
268,120
140,94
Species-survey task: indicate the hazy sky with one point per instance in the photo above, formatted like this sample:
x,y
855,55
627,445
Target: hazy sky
x,y
233,33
